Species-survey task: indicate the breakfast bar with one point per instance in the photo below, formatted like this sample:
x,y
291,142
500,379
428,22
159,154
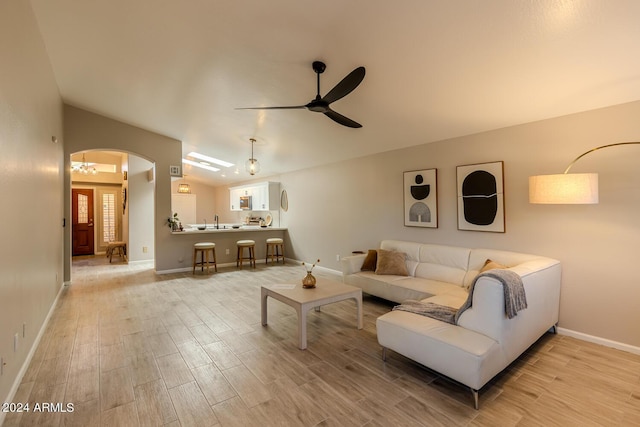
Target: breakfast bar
x,y
225,238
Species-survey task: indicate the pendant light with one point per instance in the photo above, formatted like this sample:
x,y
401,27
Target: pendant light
x,y
84,168
183,188
252,165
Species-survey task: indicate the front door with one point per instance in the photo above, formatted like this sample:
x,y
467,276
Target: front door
x,y
82,221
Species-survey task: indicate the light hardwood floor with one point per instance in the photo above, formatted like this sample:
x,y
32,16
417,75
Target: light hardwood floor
x,y
128,347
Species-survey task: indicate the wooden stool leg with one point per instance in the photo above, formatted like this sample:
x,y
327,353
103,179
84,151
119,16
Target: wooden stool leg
x,y
215,263
195,258
252,255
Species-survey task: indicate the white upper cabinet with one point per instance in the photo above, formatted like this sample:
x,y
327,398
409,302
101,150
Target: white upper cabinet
x,y
264,196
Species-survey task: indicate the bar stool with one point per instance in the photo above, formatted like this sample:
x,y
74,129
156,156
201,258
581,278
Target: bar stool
x,y
275,247
249,244
204,248
121,247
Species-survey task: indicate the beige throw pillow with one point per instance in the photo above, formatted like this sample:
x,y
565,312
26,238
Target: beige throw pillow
x,y
391,263
491,265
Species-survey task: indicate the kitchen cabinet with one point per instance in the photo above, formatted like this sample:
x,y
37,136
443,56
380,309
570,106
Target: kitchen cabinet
x,y
264,196
234,196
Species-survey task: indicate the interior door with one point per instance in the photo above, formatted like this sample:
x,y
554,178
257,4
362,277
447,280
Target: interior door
x,y
82,221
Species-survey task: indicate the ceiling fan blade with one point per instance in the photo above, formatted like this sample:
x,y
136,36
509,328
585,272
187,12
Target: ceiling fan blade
x,y
345,86
292,107
339,118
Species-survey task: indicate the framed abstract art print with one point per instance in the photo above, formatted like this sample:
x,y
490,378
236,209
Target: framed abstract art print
x,y
421,198
481,197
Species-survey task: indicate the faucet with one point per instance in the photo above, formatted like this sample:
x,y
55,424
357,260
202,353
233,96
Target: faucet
x,y
217,223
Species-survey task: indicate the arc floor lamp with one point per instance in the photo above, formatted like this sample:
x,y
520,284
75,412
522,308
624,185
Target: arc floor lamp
x,y
568,188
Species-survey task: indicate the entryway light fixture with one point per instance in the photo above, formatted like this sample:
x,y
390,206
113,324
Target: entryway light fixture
x,y
252,166
568,188
84,168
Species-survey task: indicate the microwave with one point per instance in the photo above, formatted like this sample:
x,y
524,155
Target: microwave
x,y
245,202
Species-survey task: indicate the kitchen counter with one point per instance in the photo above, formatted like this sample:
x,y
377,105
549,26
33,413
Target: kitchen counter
x,y
225,240
212,229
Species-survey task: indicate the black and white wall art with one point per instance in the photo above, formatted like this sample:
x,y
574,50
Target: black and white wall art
x,y
421,198
481,197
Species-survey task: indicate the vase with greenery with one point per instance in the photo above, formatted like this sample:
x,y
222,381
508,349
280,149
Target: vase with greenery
x,y
309,281
174,222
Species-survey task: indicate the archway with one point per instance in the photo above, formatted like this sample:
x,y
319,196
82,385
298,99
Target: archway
x,y
121,189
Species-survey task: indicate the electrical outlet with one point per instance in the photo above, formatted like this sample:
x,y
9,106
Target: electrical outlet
x,y
338,257
145,249
16,337
226,252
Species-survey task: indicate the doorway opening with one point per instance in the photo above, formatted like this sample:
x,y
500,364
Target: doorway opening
x,y
112,200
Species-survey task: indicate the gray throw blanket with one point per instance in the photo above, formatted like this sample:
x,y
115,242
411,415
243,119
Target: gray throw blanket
x,y
514,299
429,309
514,295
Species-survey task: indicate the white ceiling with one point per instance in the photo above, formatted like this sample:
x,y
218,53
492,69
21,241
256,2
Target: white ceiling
x,y
435,69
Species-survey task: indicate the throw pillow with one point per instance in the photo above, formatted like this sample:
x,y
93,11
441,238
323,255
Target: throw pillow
x,y
491,265
391,263
370,261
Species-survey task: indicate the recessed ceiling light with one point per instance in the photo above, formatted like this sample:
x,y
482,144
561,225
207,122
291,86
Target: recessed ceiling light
x,y
205,163
198,165
209,159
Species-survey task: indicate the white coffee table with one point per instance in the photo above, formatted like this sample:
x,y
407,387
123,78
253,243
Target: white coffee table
x,y
303,300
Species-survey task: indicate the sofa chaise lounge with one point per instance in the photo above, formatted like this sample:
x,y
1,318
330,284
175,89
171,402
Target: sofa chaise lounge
x,y
483,341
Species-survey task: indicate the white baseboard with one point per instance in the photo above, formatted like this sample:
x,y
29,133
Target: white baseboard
x,y
597,340
34,347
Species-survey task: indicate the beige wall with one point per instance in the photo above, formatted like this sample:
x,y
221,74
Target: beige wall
x,y
31,182
140,210
206,207
353,205
87,131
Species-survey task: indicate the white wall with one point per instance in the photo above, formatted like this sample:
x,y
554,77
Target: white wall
x,y
31,183
140,208
354,204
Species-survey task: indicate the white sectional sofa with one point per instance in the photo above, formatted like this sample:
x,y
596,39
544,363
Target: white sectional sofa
x,y
483,341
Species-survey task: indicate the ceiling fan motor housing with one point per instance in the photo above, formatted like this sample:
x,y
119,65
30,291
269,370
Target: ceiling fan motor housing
x,y
319,67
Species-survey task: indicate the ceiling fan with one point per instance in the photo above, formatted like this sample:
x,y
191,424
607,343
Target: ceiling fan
x,y
321,104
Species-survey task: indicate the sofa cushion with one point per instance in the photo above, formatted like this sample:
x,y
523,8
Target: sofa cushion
x,y
412,249
391,263
443,263
370,262
429,287
450,299
383,286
